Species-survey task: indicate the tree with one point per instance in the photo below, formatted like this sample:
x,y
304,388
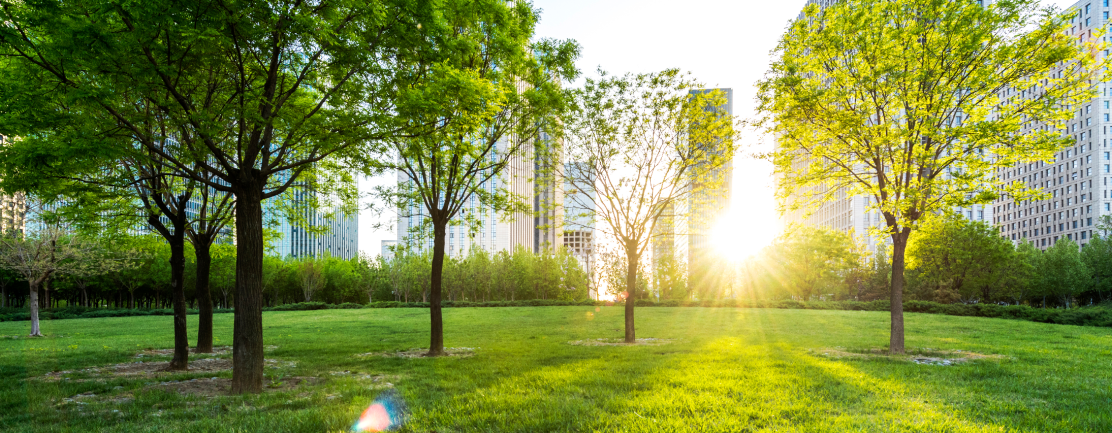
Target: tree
x,y
1019,275
100,262
210,219
39,256
1062,273
643,144
489,98
962,256
253,95
7,276
902,101
811,261
670,277
310,275
138,269
1097,256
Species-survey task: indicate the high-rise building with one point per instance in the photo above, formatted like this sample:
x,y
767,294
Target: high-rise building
x,y
683,231
849,213
315,232
13,209
579,219
548,199
388,248
1078,179
12,212
495,232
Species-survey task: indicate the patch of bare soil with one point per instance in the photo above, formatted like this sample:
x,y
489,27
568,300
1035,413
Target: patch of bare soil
x,y
215,387
205,387
376,381
461,352
216,352
620,342
153,369
923,356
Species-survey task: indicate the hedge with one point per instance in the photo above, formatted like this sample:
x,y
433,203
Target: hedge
x,y
1085,316
13,314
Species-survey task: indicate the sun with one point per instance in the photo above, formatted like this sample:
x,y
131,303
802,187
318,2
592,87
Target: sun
x,y
739,235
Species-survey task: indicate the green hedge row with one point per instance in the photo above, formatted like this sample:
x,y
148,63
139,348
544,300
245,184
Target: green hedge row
x,y
8,315
1086,316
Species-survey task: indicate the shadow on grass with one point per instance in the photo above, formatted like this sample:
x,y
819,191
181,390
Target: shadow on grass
x,y
725,385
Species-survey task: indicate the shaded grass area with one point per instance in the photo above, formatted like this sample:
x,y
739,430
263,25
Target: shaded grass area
x,y
740,370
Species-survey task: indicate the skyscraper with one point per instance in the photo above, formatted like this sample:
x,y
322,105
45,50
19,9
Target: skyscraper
x,y
495,232
849,213
1077,180
579,220
316,231
13,209
683,231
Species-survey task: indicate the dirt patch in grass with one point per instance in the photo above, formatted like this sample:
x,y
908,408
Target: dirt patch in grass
x,y
216,352
460,352
215,387
152,369
918,356
620,342
204,387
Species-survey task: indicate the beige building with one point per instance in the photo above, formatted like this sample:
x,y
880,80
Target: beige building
x,y
13,210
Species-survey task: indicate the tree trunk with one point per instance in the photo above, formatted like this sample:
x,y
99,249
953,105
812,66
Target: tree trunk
x,y
247,339
631,295
33,303
130,300
46,293
177,287
204,296
436,336
899,246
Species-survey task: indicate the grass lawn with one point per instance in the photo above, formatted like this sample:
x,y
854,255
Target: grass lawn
x,y
723,370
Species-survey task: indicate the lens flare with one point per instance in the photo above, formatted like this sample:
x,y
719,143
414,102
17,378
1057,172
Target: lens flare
x,y
386,413
590,316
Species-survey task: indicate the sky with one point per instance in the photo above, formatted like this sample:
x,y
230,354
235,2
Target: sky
x,y
721,43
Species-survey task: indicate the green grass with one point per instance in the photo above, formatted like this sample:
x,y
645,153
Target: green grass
x,y
726,370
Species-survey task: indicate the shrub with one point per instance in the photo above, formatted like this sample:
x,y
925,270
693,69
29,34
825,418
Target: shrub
x,y
300,306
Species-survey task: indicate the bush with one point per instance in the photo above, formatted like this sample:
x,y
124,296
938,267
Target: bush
x,y
1085,316
301,306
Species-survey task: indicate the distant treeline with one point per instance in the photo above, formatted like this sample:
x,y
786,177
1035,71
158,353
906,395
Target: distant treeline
x,y
1086,316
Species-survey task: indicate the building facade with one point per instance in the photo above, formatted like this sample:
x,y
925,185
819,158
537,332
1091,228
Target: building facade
x,y
313,231
851,213
1077,180
579,219
683,231
493,231
13,209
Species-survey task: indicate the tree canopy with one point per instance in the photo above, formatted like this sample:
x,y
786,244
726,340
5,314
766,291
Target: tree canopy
x,y
916,104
